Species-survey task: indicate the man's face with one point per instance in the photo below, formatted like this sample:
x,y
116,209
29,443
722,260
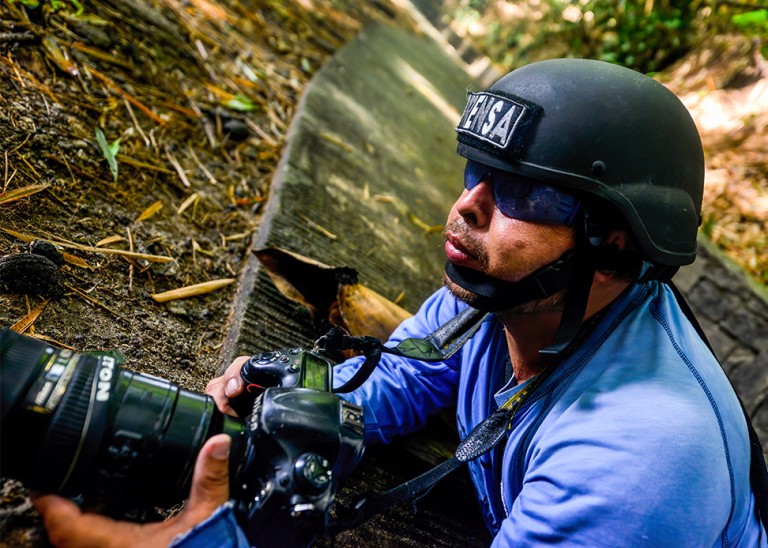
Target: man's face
x,y
480,237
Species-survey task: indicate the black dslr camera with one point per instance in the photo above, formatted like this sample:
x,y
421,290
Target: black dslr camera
x,y
80,425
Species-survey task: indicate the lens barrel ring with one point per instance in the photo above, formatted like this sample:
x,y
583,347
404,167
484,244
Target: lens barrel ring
x,y
16,353
65,432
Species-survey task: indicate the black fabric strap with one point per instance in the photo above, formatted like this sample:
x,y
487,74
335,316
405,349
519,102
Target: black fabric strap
x,y
574,307
438,346
445,341
484,437
367,507
363,372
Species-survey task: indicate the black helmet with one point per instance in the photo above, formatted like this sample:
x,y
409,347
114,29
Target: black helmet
x,y
601,130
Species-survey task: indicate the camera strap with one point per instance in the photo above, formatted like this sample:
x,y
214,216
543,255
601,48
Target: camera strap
x,y
484,437
440,345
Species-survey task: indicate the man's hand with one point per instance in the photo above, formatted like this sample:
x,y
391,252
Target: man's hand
x,y
228,386
68,525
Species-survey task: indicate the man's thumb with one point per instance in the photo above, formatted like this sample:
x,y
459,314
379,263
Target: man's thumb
x,y
210,480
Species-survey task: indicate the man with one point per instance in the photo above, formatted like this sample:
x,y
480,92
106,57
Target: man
x,y
582,194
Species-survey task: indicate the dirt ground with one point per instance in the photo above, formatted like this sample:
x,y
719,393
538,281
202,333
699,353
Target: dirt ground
x,y
193,101
198,97
724,84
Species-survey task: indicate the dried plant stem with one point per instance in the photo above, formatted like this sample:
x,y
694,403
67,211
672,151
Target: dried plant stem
x,y
175,163
138,104
57,241
26,322
91,300
130,266
192,290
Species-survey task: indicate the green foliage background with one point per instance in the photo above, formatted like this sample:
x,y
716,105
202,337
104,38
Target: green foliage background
x,y
646,35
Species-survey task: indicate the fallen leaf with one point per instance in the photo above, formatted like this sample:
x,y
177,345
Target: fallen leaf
x,y
240,103
75,260
58,55
331,293
151,210
306,281
188,202
110,240
367,313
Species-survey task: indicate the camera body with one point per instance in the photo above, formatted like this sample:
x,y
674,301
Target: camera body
x,y
82,425
302,442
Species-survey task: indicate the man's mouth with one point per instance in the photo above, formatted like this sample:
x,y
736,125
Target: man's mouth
x,y
458,253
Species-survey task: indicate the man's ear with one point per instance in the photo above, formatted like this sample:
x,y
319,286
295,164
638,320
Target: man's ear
x,y
618,238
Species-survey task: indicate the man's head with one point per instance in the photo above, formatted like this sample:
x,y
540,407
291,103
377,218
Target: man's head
x,y
602,131
574,151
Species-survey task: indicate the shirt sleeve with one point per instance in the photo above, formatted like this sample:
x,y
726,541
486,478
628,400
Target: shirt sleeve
x,y
401,393
220,530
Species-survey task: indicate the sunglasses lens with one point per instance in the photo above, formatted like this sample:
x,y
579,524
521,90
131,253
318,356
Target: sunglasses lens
x,y
541,204
474,173
522,198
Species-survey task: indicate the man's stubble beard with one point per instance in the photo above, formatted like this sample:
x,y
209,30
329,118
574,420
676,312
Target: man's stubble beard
x,y
553,303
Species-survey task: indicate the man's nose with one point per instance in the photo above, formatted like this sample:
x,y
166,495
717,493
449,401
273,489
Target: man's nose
x,y
476,206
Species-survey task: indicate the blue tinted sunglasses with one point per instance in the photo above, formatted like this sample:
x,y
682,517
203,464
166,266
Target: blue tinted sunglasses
x,y
522,198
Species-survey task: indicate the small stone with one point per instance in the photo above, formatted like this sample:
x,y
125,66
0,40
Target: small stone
x,y
177,310
47,250
236,129
30,274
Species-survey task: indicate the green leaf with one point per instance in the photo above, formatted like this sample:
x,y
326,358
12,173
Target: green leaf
x,y
109,151
114,148
240,103
752,20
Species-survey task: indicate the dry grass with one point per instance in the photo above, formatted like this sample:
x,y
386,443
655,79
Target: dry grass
x,y
724,83
141,138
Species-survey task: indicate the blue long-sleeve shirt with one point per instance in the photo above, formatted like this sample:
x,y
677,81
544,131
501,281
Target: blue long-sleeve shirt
x,y
637,438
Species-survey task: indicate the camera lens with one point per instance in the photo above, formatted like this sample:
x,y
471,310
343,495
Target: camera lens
x,y
79,424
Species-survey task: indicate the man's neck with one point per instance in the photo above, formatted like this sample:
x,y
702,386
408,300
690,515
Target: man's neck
x,y
529,331
526,334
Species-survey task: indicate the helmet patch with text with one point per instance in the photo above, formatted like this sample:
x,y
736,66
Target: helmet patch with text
x,y
496,123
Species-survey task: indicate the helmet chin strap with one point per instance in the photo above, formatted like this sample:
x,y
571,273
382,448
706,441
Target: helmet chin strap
x,y
495,295
574,271
575,304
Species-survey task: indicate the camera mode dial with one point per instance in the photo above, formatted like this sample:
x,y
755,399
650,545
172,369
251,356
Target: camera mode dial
x,y
273,368
276,368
